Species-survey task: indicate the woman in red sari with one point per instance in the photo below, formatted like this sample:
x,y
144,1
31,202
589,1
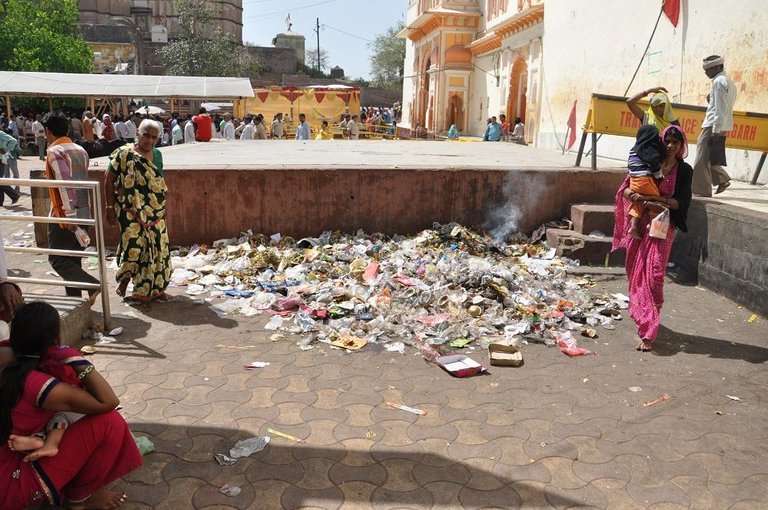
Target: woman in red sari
x,y
647,257
94,452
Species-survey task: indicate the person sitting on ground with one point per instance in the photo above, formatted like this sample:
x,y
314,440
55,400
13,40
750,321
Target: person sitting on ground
x,y
61,362
95,451
492,131
644,164
518,132
88,126
453,132
659,111
108,128
325,132
121,130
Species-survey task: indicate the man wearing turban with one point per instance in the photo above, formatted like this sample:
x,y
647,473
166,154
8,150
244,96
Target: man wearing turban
x,y
708,169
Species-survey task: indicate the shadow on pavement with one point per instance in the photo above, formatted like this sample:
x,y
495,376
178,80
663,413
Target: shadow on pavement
x,y
675,342
183,311
126,343
182,471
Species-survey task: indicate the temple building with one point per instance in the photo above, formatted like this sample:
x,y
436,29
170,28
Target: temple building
x,y
467,60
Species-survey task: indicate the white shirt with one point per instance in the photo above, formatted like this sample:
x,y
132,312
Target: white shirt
x,y
121,129
160,128
176,134
302,132
248,132
354,129
719,114
38,129
228,131
130,130
277,129
189,132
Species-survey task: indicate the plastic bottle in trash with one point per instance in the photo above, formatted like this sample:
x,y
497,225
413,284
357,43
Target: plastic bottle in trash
x,y
428,352
82,237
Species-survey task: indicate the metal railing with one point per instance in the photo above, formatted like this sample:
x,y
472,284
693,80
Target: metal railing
x,y
94,198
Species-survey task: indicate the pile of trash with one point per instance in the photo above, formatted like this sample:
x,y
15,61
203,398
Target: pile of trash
x,y
447,287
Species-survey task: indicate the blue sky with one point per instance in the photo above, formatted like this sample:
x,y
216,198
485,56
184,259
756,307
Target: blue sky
x,y
363,19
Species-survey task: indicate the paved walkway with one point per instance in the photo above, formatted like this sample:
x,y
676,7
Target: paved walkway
x,y
557,432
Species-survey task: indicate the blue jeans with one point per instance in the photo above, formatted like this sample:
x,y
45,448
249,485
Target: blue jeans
x,y
7,190
12,168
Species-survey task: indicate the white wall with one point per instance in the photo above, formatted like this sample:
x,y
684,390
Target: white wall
x,y
595,46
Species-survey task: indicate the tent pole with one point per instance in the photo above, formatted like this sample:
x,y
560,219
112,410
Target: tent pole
x,y
8,105
50,104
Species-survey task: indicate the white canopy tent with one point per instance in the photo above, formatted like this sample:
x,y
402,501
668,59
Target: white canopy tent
x,y
13,83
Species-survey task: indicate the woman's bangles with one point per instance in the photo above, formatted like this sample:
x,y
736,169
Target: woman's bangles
x,y
87,370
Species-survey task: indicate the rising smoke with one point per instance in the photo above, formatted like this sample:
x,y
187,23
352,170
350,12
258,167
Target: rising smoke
x,y
502,222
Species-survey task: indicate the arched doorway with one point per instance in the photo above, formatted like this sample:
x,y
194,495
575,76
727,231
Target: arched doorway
x,y
455,112
518,88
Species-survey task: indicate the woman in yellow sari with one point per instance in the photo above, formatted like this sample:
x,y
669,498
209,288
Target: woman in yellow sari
x,y
659,111
135,191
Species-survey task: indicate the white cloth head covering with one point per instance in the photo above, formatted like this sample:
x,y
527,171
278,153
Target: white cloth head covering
x,y
710,62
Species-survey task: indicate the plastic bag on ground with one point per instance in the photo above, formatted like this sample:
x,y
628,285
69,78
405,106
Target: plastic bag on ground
x,y
248,447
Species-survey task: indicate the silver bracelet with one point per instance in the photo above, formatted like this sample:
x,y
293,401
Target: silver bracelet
x,y
87,370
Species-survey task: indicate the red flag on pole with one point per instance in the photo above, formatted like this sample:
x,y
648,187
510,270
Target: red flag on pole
x,y
572,127
672,11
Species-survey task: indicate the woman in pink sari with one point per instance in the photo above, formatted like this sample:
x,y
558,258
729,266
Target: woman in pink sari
x,y
647,257
94,451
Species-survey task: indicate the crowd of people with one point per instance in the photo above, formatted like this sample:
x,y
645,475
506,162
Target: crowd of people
x,y
61,439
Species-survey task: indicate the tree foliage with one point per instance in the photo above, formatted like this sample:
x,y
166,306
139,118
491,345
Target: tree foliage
x,y
388,57
42,36
196,53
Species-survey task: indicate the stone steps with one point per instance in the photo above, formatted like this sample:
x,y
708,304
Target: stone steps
x,y
578,244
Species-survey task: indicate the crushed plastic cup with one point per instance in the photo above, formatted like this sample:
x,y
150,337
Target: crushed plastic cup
x,y
248,447
230,490
257,364
274,323
144,445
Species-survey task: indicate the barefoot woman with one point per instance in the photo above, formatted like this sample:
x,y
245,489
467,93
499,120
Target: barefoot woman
x,y
135,191
647,257
94,452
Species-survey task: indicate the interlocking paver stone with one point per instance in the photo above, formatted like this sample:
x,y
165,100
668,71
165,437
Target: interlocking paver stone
x,y
554,433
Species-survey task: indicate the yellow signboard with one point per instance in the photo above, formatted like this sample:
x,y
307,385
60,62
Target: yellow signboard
x,y
610,115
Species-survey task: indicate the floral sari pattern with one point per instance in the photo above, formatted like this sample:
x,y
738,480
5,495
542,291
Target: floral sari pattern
x,y
143,253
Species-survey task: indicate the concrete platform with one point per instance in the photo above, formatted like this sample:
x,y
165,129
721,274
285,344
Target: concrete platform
x,y
219,189
363,153
75,314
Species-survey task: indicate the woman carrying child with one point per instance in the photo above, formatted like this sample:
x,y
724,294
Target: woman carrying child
x,y
94,451
647,257
644,164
